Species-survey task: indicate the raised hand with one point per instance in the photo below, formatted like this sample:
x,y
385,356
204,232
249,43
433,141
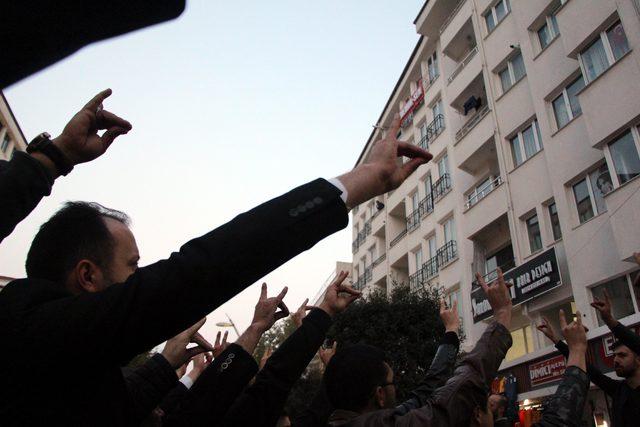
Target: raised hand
x,y
80,141
547,329
200,363
604,308
499,298
449,316
301,312
220,346
576,336
337,297
381,171
176,351
266,314
326,354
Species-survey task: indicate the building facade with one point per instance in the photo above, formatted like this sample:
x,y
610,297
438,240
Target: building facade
x,y
11,136
532,112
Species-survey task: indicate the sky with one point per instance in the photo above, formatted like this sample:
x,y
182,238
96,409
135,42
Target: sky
x,y
232,104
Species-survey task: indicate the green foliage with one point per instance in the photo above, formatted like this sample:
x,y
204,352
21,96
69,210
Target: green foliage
x,y
141,359
279,332
406,326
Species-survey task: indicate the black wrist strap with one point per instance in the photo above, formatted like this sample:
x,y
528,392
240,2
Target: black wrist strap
x,y
42,144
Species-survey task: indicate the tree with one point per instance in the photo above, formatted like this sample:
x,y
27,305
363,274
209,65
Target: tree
x,y
406,326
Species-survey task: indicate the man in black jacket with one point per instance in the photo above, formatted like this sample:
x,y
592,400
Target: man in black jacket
x,y
91,320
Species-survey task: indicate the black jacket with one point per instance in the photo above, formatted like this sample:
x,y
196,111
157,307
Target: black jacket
x,y
23,183
38,33
63,352
262,403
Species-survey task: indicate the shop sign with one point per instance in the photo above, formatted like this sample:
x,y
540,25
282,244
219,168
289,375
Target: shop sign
x,y
601,349
529,280
546,371
414,100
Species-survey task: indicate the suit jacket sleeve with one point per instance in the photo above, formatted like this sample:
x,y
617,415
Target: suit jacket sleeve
x,y
317,413
160,300
265,398
439,372
175,398
40,32
215,390
148,384
23,183
565,408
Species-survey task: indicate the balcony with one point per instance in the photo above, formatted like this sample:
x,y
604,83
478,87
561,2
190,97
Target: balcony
x,y
413,221
485,210
361,237
425,207
427,271
398,238
447,254
432,15
363,279
478,148
462,64
379,260
379,268
482,192
471,123
441,187
434,129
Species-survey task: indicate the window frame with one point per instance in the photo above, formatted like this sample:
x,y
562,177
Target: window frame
x,y
630,289
511,73
557,215
567,103
528,218
554,31
452,224
493,11
602,36
432,63
537,140
635,134
586,177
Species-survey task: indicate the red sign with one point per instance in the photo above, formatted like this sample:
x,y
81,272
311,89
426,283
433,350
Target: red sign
x,y
414,100
601,348
546,371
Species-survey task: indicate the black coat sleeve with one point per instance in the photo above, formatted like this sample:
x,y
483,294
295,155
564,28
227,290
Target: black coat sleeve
x,y
608,385
23,183
148,384
39,33
175,398
262,403
215,390
160,300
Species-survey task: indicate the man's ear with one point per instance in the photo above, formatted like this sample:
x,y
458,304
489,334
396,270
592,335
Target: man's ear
x,y
87,277
380,396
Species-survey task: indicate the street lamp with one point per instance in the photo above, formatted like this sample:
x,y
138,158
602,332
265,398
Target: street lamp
x,y
229,324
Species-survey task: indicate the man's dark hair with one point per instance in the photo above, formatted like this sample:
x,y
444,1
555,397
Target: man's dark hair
x,y
77,231
353,374
618,343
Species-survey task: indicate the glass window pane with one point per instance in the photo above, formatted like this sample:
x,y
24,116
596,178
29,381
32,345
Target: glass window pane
x,y
544,36
583,201
621,302
529,142
560,111
519,347
618,40
594,60
533,230
555,221
518,67
516,152
600,185
501,10
554,24
572,91
491,24
505,79
419,259
625,157
432,247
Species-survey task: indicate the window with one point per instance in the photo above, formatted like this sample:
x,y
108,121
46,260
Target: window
x,y
503,259
415,200
496,14
372,254
526,143
449,230
432,67
548,31
5,143
443,166
589,193
432,245
428,185
371,210
620,293
625,159
437,109
418,258
566,106
452,296
522,343
513,72
533,231
610,46
556,231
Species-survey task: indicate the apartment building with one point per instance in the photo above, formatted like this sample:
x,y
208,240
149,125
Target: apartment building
x,y
11,136
532,112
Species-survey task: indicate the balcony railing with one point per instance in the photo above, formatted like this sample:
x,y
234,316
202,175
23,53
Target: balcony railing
x,y
359,284
427,271
482,192
471,123
434,129
462,64
426,205
398,238
413,220
451,16
362,235
379,260
368,274
441,187
429,80
447,253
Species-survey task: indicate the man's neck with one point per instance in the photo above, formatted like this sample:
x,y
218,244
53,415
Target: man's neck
x,y
634,380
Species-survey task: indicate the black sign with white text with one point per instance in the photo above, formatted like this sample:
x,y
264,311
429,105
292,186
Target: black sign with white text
x,y
534,277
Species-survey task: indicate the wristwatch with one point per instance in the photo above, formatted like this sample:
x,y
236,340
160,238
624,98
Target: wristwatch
x,y
42,144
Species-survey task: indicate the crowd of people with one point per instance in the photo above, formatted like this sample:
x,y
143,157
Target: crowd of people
x,y
86,309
